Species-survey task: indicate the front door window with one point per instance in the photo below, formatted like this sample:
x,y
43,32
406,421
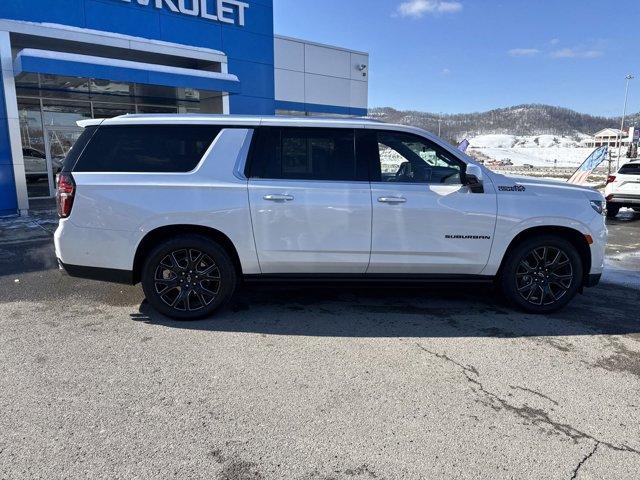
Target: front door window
x,y
406,158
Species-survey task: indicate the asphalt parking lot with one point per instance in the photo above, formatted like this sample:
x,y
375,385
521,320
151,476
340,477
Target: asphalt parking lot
x,y
317,383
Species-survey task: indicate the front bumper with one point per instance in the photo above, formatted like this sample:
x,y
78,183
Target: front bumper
x,y
593,280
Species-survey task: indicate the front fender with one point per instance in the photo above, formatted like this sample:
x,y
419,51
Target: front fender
x,y
507,230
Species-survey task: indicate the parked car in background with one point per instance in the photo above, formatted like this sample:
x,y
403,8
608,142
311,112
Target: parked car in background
x,y
35,164
191,205
623,189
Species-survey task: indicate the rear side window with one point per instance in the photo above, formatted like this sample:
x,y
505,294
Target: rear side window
x,y
630,169
306,154
72,157
147,148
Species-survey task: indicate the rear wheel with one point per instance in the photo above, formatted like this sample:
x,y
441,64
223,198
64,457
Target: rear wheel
x,y
188,277
542,274
612,211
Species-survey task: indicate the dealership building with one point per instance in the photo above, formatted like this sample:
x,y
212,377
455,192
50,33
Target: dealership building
x,y
68,60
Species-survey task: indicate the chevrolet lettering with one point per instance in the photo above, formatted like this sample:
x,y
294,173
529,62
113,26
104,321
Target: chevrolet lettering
x,y
226,11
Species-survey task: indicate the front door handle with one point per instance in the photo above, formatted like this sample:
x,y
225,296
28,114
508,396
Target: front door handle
x,y
392,200
278,198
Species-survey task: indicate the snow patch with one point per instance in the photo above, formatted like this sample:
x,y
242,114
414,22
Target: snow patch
x,y
536,150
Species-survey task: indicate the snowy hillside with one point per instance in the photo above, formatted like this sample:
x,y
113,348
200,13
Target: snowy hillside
x,y
517,120
536,150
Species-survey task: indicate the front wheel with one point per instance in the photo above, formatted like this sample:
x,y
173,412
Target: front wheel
x,y
188,277
542,274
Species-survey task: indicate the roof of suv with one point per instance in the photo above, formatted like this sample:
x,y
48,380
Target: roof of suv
x,y
240,120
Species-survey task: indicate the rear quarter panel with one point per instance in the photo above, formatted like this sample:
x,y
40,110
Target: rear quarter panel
x,y
113,212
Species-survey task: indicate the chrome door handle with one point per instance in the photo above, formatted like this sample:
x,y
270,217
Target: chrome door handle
x,y
278,198
392,200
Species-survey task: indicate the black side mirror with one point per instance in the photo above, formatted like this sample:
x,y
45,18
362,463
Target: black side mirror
x,y
475,184
473,177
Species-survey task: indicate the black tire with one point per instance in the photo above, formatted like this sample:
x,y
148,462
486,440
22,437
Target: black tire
x,y
636,209
535,288
612,211
193,272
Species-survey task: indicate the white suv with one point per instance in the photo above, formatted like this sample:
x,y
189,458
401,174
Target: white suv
x,y
623,189
191,205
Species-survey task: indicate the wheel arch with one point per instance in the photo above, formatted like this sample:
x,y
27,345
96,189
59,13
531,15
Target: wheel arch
x,y
160,234
575,237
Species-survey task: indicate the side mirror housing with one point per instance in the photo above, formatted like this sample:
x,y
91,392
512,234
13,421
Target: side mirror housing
x,y
474,180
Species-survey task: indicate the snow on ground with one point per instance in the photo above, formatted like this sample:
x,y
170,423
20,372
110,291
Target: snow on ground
x,y
536,150
623,269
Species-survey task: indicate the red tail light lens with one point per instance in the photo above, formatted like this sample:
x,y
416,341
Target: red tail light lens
x,y
611,179
65,193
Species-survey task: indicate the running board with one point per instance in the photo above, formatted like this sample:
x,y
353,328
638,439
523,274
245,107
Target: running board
x,y
369,278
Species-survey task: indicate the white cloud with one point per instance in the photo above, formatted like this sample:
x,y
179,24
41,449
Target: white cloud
x,y
418,8
592,54
523,52
554,41
576,53
446,71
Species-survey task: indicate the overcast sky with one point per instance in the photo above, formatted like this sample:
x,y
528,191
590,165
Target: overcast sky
x,y
473,55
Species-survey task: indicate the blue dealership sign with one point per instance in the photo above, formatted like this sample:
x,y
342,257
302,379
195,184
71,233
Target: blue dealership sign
x,y
243,30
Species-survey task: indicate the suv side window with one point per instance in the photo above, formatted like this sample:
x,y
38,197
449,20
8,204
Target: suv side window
x,y
306,154
406,158
147,148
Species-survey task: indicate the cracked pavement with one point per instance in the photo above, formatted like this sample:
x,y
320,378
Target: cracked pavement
x,y
317,383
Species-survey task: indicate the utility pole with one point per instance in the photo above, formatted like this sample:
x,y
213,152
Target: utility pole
x,y
624,114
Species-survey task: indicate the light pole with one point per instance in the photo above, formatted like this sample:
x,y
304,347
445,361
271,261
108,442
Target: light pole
x,y
624,114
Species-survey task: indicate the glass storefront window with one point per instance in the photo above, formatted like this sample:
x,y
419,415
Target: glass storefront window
x,y
33,147
28,81
112,92
61,113
155,94
103,110
50,106
64,87
156,109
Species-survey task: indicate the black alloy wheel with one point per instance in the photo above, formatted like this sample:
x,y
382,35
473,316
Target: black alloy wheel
x,y
188,277
187,280
542,274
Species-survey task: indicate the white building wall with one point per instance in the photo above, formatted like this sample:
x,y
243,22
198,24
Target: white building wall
x,y
320,78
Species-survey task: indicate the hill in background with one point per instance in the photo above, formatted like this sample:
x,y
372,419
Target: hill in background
x,y
521,120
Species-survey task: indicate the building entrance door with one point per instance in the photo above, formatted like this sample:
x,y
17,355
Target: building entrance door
x,y
58,141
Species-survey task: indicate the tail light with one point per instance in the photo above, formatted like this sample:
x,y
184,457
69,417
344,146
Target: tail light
x,y
611,179
65,193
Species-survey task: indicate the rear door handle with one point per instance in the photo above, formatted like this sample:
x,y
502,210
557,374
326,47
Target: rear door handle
x,y
278,198
392,200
